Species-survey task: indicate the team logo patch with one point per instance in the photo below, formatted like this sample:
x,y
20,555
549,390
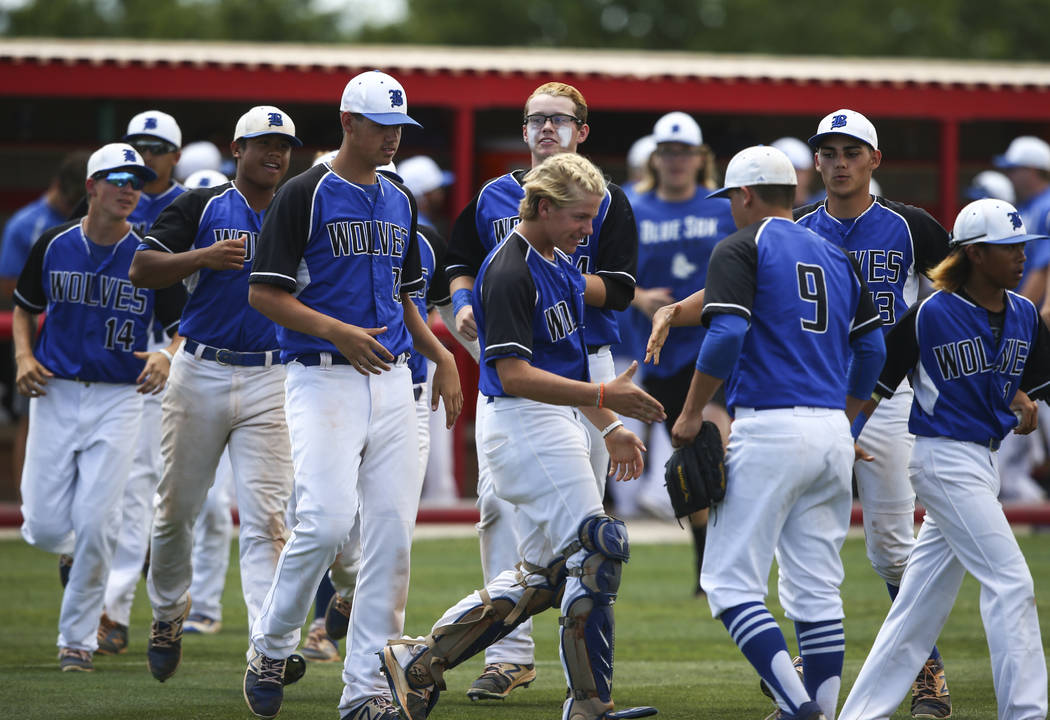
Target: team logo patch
x,y
676,128
397,98
1015,220
129,155
275,120
151,123
838,121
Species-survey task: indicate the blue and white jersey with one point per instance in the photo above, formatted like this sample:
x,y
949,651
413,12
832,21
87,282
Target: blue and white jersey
x,y
150,207
892,242
96,319
1035,213
611,252
21,231
675,240
805,302
966,364
529,307
217,312
343,249
434,292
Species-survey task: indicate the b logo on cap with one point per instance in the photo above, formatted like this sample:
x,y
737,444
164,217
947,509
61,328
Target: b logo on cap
x,y
676,128
1015,220
838,121
275,120
397,98
151,123
129,156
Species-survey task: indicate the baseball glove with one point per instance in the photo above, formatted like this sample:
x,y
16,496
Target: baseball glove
x,y
695,474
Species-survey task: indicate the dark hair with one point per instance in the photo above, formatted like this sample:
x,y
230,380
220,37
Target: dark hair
x,y
782,196
70,176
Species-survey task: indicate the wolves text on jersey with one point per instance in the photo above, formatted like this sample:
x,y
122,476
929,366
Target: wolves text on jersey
x,y
221,234
880,265
366,237
560,322
97,290
968,357
501,227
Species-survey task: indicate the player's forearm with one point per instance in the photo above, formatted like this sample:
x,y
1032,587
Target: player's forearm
x,y
157,269
423,338
691,308
594,291
701,389
521,379
23,324
287,311
600,418
463,282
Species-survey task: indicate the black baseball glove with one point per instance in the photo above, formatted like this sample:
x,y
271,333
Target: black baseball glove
x,y
695,474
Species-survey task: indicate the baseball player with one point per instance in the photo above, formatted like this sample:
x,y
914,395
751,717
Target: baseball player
x,y
893,243
227,384
555,122
86,377
337,261
534,373
1026,163
785,309
973,350
678,227
802,158
157,137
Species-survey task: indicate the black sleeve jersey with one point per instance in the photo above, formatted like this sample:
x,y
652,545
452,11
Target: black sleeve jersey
x,y
617,260
438,291
930,240
30,293
902,353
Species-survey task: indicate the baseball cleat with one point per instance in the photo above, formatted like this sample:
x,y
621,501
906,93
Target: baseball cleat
x,y
374,708
414,703
498,679
264,685
929,692
165,645
632,712
337,616
112,637
201,625
70,660
294,669
318,646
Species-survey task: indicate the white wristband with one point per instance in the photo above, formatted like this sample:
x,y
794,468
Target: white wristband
x,y
165,353
612,426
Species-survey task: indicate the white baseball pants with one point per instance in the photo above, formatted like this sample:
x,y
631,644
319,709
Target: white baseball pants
x,y
965,530
82,439
212,533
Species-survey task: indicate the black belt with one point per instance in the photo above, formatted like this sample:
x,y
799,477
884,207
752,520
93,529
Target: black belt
x,y
417,392
232,357
314,359
594,349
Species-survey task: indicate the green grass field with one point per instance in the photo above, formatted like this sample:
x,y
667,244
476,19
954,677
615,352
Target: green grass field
x,y
669,652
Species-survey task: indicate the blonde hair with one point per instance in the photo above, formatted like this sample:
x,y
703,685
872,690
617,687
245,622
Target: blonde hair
x,y
561,179
951,272
705,177
560,89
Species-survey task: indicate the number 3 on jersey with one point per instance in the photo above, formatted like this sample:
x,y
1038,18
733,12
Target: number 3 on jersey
x,y
813,289
124,336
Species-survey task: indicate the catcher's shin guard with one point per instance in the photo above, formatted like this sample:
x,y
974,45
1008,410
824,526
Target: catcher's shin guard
x,y
587,627
482,625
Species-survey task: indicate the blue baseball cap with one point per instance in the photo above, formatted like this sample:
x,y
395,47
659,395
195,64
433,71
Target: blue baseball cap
x,y
118,156
377,96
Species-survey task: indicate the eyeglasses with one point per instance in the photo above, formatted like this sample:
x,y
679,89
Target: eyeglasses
x,y
121,179
536,122
151,146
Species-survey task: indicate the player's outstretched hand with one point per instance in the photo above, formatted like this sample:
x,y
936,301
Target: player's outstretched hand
x,y
625,454
360,347
31,376
225,254
446,388
153,376
1027,413
661,326
624,397
649,300
465,324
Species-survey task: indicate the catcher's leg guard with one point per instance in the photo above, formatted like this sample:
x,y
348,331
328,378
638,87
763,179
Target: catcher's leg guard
x,y
587,625
482,625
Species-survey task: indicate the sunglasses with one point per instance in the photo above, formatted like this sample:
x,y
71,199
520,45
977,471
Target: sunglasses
x,y
121,179
153,147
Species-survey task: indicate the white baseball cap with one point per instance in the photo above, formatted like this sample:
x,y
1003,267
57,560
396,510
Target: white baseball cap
x,y
266,120
640,152
846,122
797,151
201,155
377,96
990,221
155,124
677,127
118,156
205,178
758,165
991,184
421,175
1025,151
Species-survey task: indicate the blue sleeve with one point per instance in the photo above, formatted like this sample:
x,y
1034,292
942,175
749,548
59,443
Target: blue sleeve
x,y
869,355
722,344
12,249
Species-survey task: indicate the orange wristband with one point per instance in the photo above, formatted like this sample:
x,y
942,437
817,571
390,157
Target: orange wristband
x,y
601,395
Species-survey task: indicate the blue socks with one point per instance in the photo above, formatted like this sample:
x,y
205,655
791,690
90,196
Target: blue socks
x,y
758,636
323,596
822,646
935,654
